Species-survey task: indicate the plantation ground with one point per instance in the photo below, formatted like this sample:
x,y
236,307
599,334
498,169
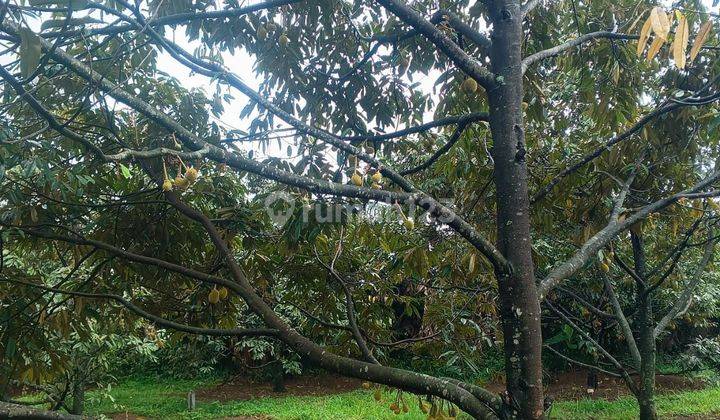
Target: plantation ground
x,y
161,398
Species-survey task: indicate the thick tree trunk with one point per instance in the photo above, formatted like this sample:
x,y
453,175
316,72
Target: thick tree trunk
x,y
519,301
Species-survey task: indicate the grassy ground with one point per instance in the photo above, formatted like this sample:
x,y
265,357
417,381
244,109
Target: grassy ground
x,y
166,400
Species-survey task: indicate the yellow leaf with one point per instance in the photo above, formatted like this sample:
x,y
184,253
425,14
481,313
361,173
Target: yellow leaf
x,y
700,39
644,35
680,43
616,73
655,48
660,22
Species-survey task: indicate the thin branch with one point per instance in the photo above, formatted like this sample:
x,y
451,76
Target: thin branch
x,y
441,122
622,320
349,306
624,374
657,112
529,7
579,363
459,57
165,323
592,308
438,153
550,52
614,227
685,300
639,280
174,19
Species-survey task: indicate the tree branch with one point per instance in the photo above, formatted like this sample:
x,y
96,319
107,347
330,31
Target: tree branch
x,y
622,320
579,363
165,323
350,309
438,153
624,374
459,57
240,163
604,236
407,380
550,52
685,300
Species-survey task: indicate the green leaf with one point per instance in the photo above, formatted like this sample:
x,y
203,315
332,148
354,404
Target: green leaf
x,y
30,52
125,171
60,23
74,4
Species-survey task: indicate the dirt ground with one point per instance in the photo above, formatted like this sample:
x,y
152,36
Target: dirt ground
x,y
241,388
565,386
573,386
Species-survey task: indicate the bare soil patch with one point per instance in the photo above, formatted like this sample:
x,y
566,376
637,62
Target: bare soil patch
x,y
241,388
573,386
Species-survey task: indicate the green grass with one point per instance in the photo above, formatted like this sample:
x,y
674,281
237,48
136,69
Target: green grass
x,y
706,401
166,399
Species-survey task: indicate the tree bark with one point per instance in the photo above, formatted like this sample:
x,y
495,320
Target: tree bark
x,y
519,303
647,354
646,342
78,405
17,411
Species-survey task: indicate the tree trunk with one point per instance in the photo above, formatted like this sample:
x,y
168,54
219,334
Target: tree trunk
x,y
647,365
519,303
646,344
78,405
407,325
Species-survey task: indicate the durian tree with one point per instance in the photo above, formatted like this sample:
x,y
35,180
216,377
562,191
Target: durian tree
x,y
525,136
642,288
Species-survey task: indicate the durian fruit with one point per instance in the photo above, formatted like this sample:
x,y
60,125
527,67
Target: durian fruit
x,y
191,174
377,177
409,223
214,296
469,86
223,292
262,32
283,40
357,179
366,385
180,181
375,186
604,267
